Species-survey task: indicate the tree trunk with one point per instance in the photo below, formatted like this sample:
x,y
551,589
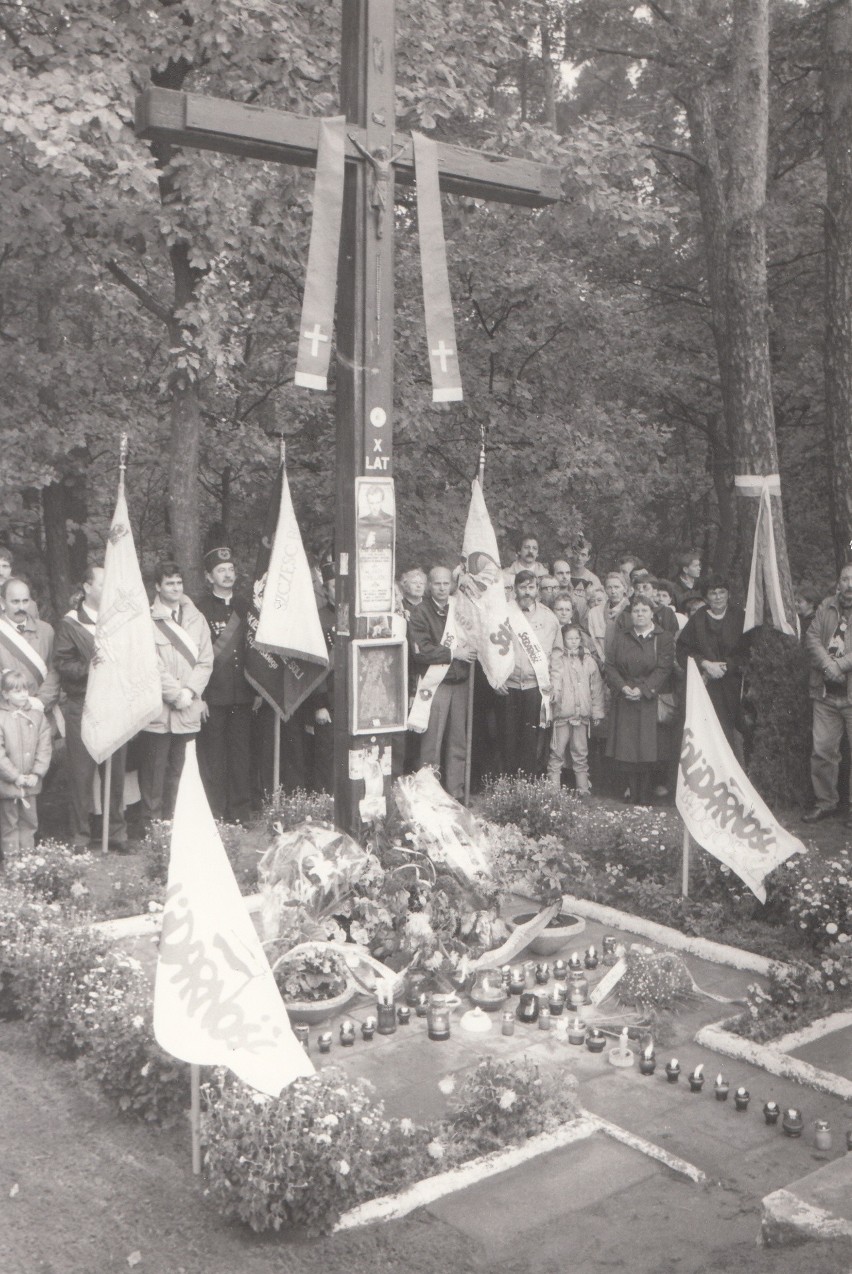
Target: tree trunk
x,y
54,514
185,439
549,72
837,88
755,447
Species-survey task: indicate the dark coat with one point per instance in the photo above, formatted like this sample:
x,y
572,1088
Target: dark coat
x,y
720,642
646,662
227,685
425,630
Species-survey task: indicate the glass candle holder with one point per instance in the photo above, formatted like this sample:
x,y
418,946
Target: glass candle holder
x,y
822,1134
438,1020
721,1088
368,1028
556,999
517,981
403,1015
422,1004
542,974
560,970
527,1010
577,1031
347,1033
792,1122
324,1040
696,1080
673,1071
303,1035
647,1064
386,1014
595,1041
771,1112
742,1097
591,958
608,944
507,1025
544,1018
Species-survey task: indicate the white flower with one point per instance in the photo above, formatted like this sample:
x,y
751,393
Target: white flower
x,y
146,1070
508,1099
406,1126
435,1150
447,1085
831,928
138,1022
330,1121
343,1168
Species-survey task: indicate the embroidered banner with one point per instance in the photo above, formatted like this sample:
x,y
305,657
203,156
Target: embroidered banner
x,y
722,811
481,605
317,325
437,302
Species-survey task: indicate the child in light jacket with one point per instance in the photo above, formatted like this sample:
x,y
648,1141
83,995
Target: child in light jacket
x,y
580,702
25,749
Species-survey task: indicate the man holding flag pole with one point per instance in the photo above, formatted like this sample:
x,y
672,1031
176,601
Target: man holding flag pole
x,y
123,692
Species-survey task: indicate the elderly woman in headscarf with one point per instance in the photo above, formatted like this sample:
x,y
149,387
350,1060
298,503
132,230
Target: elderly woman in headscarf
x,y
638,668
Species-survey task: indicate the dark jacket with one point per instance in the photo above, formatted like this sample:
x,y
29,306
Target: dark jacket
x,y
227,685
719,642
646,663
73,648
425,630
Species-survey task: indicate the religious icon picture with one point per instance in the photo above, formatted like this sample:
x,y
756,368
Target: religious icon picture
x,y
378,686
374,536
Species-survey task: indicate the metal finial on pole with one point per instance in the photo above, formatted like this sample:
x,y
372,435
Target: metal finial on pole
x,y
481,471
122,459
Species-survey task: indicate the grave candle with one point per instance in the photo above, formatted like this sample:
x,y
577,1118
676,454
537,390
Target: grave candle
x,y
529,974
771,1112
621,1056
591,960
608,944
368,1028
438,1019
623,1050
556,999
517,981
324,1041
506,975
648,1060
792,1123
742,1097
576,1031
560,1027
721,1088
696,1079
574,961
422,1004
508,1026
560,970
822,1134
595,1040
542,974
303,1035
673,1070
544,1018
387,1016
403,1015
347,1033
527,1010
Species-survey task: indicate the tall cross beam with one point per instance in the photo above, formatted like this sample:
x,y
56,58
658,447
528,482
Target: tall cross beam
x,y
365,294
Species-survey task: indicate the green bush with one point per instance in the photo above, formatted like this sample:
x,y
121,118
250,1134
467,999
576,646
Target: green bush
x,y
532,805
52,871
157,848
503,1101
291,808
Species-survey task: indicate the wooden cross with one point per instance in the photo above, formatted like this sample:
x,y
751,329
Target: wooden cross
x,y
365,299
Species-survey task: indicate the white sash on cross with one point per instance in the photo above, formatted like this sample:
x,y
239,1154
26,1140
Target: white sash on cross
x,y
418,717
29,654
531,647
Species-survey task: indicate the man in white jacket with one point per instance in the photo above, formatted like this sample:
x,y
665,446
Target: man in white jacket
x,y
185,656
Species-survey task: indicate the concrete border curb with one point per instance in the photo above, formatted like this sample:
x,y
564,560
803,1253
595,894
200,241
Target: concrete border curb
x,y
787,1216
151,922
393,1206
715,952
771,1058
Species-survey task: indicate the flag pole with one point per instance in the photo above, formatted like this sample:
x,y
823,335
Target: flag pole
x,y
468,754
684,871
276,752
107,789
195,1115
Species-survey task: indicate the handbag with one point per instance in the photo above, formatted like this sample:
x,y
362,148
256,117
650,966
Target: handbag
x,y
666,709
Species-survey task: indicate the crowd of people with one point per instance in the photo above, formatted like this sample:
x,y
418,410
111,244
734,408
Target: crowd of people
x,y
595,698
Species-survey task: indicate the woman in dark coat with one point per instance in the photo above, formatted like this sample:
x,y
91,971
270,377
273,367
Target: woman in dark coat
x,y
638,668
714,638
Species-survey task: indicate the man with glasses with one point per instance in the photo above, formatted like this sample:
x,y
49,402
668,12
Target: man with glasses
x,y
828,644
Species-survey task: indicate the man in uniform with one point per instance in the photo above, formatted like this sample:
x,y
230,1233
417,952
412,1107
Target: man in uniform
x,y
72,658
225,739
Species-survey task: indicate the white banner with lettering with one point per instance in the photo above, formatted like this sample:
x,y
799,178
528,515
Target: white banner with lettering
x,y
215,998
722,811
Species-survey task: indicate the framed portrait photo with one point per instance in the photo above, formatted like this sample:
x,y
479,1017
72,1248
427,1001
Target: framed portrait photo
x,y
378,685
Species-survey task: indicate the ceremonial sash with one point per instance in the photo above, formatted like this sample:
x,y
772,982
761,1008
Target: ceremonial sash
x,y
82,633
180,639
418,717
18,646
224,643
531,647
437,302
317,321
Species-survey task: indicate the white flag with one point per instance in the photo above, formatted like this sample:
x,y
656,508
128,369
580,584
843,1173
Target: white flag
x,y
289,622
215,998
123,692
719,806
481,606
764,581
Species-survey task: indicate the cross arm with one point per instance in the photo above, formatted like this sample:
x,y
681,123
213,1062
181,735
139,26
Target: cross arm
x,y
259,132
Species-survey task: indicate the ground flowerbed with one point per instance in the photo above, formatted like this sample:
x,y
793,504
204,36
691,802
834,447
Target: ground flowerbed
x,y
326,1145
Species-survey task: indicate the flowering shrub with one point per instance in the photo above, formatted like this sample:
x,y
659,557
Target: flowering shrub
x,y
157,847
532,805
52,871
312,975
503,1101
307,1156
291,808
658,980
326,1145
796,995
816,896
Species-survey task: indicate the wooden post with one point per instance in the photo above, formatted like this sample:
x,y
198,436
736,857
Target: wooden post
x,y
195,1115
105,801
276,752
684,871
470,688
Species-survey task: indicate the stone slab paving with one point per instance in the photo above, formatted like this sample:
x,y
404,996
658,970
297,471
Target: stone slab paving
x,y
832,1052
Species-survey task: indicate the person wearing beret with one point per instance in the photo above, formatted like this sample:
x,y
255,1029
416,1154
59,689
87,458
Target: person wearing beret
x,y
225,739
